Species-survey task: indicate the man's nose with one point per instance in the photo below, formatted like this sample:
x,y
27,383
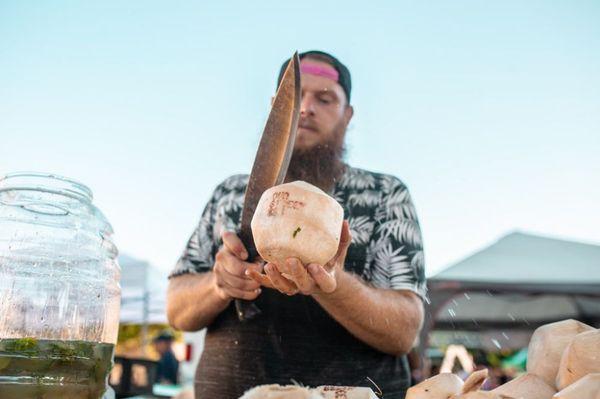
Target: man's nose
x,y
307,106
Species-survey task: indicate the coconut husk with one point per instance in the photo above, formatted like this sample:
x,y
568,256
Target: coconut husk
x,y
587,387
275,391
337,392
581,357
547,345
483,395
443,385
528,386
475,381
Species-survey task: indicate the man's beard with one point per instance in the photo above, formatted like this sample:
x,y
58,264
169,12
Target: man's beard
x,y
322,164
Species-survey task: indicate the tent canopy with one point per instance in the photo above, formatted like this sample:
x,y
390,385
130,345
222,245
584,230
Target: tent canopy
x,y
520,260
143,292
518,283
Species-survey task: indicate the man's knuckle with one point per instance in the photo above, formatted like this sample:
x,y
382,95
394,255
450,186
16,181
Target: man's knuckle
x,y
250,295
220,256
238,268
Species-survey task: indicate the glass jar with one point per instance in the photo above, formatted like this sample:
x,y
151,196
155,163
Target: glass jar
x,y
59,290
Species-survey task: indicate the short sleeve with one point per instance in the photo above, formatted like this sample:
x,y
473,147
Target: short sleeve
x,y
396,247
198,256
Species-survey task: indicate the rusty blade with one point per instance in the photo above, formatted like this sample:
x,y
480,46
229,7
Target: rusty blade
x,y
276,145
271,162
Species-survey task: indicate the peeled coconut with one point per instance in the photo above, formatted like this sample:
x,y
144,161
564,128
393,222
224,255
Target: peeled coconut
x,y
587,387
581,357
547,345
276,391
337,392
475,381
483,395
529,386
443,385
297,220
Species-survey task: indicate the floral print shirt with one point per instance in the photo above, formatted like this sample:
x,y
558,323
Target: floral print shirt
x,y
386,249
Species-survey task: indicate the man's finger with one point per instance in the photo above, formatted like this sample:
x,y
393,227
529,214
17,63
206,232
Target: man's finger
x,y
300,275
241,294
260,278
325,281
280,282
233,243
233,264
246,284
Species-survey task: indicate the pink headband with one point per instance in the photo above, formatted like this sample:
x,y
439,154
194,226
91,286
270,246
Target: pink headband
x,y
319,70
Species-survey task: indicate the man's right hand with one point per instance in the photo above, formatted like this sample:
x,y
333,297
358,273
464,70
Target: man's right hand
x,y
231,280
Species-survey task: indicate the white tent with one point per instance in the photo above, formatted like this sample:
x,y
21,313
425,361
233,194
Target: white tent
x,y
501,293
143,292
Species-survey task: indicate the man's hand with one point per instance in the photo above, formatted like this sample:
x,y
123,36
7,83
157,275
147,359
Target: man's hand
x,y
307,280
230,269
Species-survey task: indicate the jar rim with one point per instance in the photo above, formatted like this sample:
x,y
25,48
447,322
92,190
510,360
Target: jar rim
x,y
48,182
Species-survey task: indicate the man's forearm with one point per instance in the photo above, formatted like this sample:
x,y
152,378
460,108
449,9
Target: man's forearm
x,y
387,320
192,301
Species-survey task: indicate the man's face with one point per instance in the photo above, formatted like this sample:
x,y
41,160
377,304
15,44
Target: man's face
x,y
324,109
161,346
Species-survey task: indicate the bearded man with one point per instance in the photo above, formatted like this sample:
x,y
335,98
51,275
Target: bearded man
x,y
338,324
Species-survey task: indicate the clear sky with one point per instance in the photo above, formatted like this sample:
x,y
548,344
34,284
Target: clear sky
x,y
489,111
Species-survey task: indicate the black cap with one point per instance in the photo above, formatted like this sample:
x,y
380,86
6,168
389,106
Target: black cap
x,y
165,335
344,74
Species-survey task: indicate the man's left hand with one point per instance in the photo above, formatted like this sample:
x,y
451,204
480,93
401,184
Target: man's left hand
x,y
310,279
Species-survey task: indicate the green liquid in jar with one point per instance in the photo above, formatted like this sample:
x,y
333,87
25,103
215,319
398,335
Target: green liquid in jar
x,y
52,369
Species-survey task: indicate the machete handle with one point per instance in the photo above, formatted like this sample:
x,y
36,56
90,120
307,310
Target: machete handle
x,y
247,310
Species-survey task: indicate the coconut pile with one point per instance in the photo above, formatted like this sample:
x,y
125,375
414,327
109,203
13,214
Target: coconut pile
x,y
276,391
300,220
563,362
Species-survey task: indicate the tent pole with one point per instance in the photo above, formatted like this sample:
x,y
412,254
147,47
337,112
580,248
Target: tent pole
x,y
145,318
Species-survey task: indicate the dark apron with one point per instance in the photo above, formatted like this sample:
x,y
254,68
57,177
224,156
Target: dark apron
x,y
293,341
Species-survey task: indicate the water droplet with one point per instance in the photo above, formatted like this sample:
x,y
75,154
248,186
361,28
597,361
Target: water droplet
x,y
495,341
506,336
467,296
236,342
428,300
452,312
455,303
511,317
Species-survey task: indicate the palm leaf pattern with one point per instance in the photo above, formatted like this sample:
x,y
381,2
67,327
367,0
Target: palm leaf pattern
x,y
366,198
357,179
339,196
398,204
374,247
229,203
386,247
204,246
361,228
403,230
387,261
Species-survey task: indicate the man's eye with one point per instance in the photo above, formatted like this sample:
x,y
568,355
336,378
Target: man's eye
x,y
324,100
